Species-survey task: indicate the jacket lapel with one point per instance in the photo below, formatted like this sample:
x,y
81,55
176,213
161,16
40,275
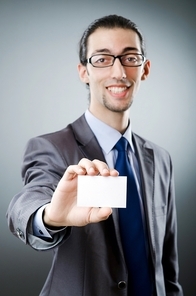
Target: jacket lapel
x,y
87,141
145,156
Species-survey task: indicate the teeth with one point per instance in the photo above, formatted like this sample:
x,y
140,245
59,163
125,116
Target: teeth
x,y
117,89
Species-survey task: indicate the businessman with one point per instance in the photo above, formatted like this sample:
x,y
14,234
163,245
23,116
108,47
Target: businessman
x,y
102,251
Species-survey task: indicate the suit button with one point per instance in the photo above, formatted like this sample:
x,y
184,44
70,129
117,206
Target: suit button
x,y
19,233
122,285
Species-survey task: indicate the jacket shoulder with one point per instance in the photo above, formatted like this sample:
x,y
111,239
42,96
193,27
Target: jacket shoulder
x,y
145,147
67,143
64,137
148,144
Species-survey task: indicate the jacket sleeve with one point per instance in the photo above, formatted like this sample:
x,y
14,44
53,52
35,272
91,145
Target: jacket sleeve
x,y
43,167
170,253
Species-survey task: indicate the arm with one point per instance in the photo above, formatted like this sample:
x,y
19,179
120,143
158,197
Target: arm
x,y
49,180
170,253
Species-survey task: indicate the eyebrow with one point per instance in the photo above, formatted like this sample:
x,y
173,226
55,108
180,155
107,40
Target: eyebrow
x,y
106,50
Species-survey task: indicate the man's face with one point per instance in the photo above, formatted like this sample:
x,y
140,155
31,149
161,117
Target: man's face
x,y
108,91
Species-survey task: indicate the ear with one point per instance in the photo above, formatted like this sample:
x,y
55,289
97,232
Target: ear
x,y
83,73
146,70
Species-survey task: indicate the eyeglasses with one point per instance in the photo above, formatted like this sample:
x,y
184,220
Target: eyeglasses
x,y
107,60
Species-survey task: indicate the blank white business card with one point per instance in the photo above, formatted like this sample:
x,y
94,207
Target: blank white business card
x,y
99,191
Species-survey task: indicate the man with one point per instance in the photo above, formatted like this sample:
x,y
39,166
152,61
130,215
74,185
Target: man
x,y
91,246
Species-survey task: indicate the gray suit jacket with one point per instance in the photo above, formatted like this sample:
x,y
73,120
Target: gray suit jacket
x,y
88,261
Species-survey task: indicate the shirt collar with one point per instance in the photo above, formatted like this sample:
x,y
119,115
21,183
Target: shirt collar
x,y
105,134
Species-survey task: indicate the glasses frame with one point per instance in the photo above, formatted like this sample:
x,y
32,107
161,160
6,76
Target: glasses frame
x,y
89,60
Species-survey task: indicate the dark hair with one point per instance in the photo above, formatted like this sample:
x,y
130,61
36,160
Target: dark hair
x,y
109,22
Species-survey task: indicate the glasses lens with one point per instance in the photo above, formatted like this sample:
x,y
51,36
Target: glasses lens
x,y
132,60
102,60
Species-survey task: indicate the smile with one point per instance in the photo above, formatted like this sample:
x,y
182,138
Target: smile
x,y
117,90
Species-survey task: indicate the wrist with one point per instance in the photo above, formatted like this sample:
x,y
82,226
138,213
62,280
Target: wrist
x,y
48,223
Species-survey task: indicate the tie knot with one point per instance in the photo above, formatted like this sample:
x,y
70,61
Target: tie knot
x,y
122,144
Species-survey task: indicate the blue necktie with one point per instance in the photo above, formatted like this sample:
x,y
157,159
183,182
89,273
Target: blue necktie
x,y
131,228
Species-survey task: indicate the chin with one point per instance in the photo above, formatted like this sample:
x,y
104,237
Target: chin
x,y
118,108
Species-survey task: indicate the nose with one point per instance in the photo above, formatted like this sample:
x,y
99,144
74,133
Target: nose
x,y
117,70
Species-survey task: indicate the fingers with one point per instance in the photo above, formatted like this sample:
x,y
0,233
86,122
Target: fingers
x,y
96,167
91,168
73,170
101,167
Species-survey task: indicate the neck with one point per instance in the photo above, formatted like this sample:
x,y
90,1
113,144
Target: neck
x,y
117,120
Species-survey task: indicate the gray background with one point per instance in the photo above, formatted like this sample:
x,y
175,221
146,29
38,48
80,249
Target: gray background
x,y
40,92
